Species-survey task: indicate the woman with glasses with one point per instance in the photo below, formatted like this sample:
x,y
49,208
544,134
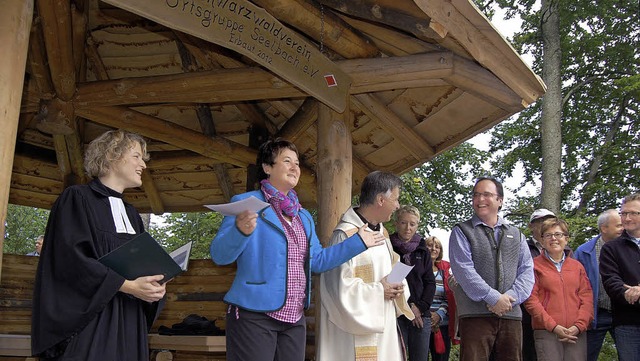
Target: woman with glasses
x,y
561,303
276,250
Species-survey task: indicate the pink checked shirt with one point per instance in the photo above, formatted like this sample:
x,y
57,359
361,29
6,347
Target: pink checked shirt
x,y
297,245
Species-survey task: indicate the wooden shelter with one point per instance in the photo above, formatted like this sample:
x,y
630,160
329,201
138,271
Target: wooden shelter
x,y
358,85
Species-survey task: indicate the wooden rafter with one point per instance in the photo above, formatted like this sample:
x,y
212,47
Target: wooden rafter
x,y
486,52
300,121
38,62
152,193
400,15
322,25
170,133
56,28
241,84
393,125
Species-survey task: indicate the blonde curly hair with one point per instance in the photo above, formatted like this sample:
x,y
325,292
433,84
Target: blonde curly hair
x,y
109,148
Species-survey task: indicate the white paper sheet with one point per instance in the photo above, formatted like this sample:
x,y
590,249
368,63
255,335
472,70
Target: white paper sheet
x,y
252,204
398,272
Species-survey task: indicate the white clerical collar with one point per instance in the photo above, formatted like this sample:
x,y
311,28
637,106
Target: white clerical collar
x,y
120,218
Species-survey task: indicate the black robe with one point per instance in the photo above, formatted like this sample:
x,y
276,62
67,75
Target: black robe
x,y
78,312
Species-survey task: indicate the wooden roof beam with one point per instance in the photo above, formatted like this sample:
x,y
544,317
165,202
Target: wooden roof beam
x,y
393,125
171,133
413,71
215,86
151,191
79,37
56,28
62,156
75,148
241,84
491,53
322,25
38,62
205,118
304,117
471,77
400,15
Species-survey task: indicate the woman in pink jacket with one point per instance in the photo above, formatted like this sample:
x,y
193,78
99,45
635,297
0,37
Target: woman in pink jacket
x,y
561,304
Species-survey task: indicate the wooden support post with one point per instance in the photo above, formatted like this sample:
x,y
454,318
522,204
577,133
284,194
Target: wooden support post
x,y
15,26
334,159
334,179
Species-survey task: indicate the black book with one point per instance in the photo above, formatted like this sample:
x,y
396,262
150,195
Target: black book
x,y
143,256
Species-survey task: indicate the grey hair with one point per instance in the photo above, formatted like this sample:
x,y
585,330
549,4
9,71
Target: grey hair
x,y
604,217
378,182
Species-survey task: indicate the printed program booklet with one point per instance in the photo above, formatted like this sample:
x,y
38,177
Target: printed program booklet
x,y
143,256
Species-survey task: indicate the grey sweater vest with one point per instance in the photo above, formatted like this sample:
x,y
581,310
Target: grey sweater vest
x,y
496,261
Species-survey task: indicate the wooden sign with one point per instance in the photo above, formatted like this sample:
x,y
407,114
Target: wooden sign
x,y
242,26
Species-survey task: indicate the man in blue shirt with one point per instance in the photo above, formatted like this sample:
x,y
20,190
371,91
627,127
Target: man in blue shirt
x,y
493,268
610,226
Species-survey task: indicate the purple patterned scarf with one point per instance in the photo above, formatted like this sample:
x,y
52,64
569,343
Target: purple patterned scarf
x,y
405,248
289,204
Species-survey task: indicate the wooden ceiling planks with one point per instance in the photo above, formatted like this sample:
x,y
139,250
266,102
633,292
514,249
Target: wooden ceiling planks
x,y
426,76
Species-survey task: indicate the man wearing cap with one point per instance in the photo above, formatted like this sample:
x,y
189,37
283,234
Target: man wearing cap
x,y
610,226
535,222
494,274
535,248
620,272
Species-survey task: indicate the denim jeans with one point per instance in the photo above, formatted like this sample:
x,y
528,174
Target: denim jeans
x,y
416,340
628,342
447,345
596,336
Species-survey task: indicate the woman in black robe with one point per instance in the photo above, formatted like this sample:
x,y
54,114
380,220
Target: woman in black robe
x,y
83,310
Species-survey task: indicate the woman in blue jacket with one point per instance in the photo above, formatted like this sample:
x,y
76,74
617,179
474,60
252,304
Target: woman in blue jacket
x,y
276,250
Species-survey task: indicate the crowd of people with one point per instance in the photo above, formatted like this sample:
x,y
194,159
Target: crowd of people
x,y
501,296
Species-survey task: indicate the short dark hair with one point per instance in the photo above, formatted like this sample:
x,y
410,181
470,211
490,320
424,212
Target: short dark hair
x,y
269,151
495,181
378,182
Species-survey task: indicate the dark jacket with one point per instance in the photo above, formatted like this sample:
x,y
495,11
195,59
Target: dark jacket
x,y
620,265
422,282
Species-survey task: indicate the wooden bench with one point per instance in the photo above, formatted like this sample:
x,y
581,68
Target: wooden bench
x,y
198,291
16,345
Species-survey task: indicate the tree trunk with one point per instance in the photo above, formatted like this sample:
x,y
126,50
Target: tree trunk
x,y
587,194
551,107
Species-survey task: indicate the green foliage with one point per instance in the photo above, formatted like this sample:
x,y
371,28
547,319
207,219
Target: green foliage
x,y
179,228
608,351
24,225
600,122
440,189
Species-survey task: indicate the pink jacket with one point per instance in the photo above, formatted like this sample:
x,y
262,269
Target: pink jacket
x,y
560,298
453,319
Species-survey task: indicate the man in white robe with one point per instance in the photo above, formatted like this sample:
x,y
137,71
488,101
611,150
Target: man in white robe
x,y
359,307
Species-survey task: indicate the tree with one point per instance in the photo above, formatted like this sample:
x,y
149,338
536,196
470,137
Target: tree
x,y
600,100
551,131
440,189
179,228
24,225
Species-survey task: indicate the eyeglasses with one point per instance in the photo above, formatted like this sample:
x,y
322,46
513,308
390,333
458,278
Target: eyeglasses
x,y
483,194
557,235
630,214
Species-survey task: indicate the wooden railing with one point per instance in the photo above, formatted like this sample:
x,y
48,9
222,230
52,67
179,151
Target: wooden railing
x,y
199,290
